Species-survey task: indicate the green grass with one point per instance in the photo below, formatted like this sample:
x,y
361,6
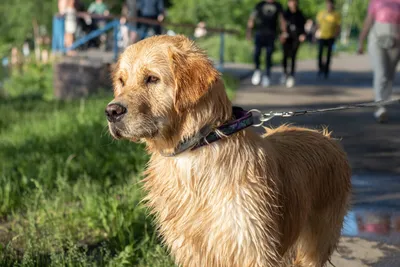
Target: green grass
x,y
69,194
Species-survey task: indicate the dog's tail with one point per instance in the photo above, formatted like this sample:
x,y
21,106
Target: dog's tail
x,y
288,127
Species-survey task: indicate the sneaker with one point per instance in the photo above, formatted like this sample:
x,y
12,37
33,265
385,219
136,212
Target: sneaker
x,y
290,82
265,81
256,79
283,79
381,115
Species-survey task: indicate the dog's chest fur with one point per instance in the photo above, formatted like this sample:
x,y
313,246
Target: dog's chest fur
x,y
214,208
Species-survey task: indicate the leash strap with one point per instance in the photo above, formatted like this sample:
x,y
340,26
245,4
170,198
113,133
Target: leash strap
x,y
264,117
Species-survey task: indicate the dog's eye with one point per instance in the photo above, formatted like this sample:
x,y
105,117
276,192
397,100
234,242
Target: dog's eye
x,y
121,81
152,79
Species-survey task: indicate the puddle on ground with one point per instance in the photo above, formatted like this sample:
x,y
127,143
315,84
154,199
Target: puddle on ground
x,y
369,223
375,212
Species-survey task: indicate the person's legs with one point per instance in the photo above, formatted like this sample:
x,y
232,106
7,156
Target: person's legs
x,y
256,79
321,44
286,53
383,72
144,29
394,58
257,51
329,44
290,82
157,29
295,48
270,43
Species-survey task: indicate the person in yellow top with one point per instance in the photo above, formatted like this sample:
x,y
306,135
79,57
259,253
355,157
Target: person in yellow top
x,y
328,28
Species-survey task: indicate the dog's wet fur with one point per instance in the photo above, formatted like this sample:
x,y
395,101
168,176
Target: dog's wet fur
x,y
247,200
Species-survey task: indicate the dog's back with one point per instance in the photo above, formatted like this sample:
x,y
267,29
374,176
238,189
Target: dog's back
x,y
315,178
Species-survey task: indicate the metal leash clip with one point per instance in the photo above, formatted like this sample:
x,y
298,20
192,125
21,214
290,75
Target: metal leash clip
x,y
264,117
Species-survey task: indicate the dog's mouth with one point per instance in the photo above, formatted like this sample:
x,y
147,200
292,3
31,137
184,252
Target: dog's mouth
x,y
115,132
118,134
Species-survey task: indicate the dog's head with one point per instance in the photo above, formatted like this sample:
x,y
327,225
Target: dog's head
x,y
165,89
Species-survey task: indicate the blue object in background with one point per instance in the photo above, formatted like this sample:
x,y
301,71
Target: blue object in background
x,y
57,44
5,61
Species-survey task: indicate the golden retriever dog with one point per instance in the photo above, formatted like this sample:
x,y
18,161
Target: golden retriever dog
x,y
244,200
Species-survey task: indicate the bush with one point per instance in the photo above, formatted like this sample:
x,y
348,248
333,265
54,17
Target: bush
x,y
32,79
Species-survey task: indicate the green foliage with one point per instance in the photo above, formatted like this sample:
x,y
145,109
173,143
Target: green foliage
x,y
225,13
356,12
31,79
18,16
233,14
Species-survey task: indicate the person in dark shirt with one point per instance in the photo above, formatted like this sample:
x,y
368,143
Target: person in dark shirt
x,y
131,11
264,21
151,9
295,22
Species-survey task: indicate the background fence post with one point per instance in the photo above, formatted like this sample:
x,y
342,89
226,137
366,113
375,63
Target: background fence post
x,y
57,44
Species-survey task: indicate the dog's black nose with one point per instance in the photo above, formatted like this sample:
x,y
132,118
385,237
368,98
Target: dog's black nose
x,y
115,112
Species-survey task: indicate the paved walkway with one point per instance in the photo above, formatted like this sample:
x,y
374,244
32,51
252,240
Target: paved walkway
x,y
373,149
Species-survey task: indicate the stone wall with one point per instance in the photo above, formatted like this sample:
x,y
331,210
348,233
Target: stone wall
x,y
76,78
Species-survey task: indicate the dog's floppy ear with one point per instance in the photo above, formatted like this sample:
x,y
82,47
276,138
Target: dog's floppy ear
x,y
194,74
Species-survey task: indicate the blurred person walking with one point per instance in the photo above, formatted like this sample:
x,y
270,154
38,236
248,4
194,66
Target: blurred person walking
x,y
382,25
264,20
295,22
132,12
328,29
154,10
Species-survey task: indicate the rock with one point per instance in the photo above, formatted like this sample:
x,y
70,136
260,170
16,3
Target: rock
x,y
77,78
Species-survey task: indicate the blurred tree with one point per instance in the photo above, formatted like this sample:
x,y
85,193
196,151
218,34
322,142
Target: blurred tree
x,y
227,13
222,13
18,16
234,13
